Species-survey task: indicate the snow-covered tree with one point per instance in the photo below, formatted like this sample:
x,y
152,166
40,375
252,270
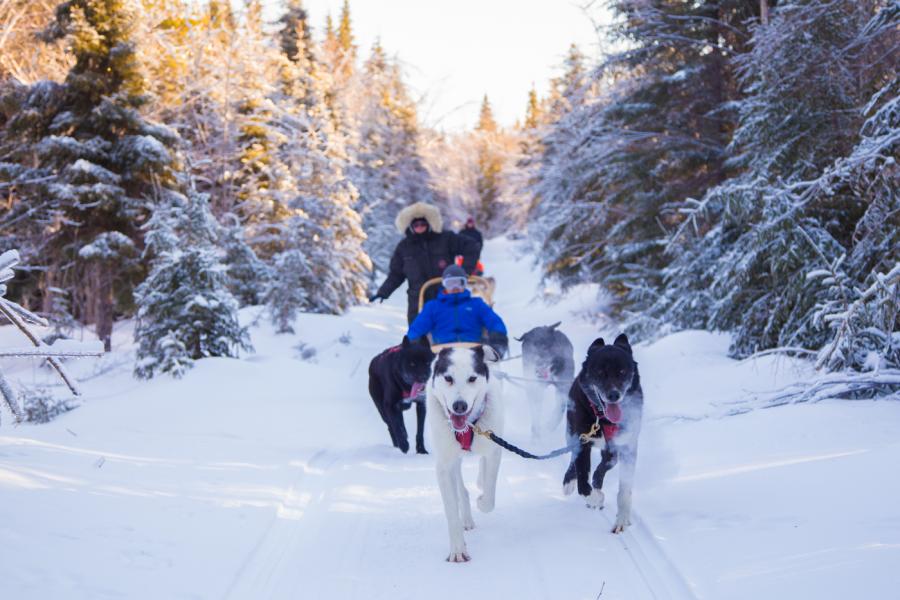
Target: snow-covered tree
x,y
185,309
320,264
817,185
83,162
388,169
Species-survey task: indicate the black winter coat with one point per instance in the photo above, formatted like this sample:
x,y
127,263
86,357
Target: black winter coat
x,y
421,257
474,234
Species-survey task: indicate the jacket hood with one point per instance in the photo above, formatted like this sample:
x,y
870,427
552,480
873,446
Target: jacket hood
x,y
419,210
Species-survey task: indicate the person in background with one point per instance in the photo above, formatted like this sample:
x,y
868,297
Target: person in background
x,y
472,233
424,253
456,316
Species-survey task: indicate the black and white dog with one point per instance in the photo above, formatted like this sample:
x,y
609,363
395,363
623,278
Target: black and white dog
x,y
549,358
397,378
463,393
607,392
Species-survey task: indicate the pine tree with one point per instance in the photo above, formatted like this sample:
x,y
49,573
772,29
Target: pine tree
x,y
83,160
613,165
319,265
388,170
345,40
185,310
783,252
533,111
490,165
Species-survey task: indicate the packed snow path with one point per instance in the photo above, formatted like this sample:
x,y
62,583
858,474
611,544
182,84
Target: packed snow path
x,y
273,477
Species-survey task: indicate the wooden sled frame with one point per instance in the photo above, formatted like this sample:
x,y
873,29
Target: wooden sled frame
x,y
481,287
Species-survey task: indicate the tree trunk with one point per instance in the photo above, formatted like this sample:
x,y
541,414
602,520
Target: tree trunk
x,y
103,306
764,12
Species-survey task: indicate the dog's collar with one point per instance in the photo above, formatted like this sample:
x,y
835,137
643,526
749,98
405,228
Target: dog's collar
x,y
465,437
602,410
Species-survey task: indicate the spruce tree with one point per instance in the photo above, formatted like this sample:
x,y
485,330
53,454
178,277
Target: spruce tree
x,y
388,169
84,160
490,165
615,164
319,265
185,310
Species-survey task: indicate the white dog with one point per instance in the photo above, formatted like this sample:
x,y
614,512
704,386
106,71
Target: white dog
x,y
462,393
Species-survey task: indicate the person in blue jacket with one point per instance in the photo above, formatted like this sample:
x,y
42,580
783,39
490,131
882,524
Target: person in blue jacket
x,y
456,316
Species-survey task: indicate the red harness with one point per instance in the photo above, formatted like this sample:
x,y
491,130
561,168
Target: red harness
x,y
609,423
465,438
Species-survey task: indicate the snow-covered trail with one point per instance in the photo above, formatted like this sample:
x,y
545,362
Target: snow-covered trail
x,y
272,477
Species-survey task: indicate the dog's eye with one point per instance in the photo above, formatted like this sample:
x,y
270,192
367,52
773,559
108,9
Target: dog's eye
x,y
472,379
448,379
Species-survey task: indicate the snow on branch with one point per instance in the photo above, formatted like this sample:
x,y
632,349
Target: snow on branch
x,y
21,317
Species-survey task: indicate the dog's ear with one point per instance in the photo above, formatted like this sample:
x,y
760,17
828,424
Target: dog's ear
x,y
405,342
555,325
519,339
622,342
598,343
488,353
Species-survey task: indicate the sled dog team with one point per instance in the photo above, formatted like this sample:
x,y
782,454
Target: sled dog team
x,y
463,395
459,392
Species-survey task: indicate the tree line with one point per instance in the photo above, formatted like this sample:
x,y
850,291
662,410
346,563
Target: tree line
x,y
175,161
732,165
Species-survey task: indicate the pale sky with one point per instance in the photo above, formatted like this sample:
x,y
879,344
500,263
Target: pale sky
x,y
455,51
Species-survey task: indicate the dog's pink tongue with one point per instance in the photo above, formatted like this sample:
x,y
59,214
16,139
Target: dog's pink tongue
x,y
458,421
417,389
612,412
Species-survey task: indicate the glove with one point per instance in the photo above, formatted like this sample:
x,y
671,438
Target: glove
x,y
376,297
499,342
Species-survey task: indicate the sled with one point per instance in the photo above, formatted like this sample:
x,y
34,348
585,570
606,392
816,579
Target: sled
x,y
481,287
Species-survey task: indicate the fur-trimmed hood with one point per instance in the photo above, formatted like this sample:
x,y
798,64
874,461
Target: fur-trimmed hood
x,y
419,210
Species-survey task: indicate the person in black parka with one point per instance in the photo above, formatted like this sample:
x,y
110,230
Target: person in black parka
x,y
470,231
423,254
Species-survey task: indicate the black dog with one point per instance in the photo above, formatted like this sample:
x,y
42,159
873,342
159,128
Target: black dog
x,y
607,392
397,378
547,356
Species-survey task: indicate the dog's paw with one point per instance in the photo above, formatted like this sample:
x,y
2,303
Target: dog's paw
x,y
484,504
585,488
404,446
622,521
595,499
568,487
421,450
468,523
458,557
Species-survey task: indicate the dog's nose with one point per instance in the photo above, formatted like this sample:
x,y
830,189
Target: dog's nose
x,y
459,407
614,396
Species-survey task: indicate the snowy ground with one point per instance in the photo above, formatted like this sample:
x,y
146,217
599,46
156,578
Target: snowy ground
x,y
272,477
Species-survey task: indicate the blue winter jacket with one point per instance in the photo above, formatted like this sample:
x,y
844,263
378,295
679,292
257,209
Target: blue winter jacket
x,y
455,318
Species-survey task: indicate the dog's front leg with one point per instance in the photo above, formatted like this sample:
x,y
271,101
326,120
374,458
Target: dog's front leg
x,y
465,506
583,468
535,392
420,427
488,469
627,458
397,426
559,410
449,476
